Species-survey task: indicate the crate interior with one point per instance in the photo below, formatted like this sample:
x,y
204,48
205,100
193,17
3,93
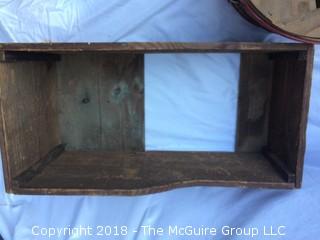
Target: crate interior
x,y
74,123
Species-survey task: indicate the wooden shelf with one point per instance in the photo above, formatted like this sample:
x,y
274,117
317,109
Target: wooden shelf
x,y
155,47
83,105
96,172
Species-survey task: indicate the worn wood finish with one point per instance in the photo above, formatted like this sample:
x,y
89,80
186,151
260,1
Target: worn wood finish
x,y
280,165
147,172
38,167
28,117
121,91
14,56
101,102
154,47
289,110
309,58
79,102
253,103
90,102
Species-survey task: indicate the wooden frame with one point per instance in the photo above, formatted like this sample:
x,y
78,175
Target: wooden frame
x,y
72,120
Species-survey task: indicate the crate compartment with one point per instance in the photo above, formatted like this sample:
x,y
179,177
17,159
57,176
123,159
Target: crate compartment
x,y
96,172
72,120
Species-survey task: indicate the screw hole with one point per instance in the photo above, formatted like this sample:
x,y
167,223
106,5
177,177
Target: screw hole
x,y
85,100
117,91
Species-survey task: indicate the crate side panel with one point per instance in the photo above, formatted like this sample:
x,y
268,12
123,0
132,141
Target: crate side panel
x,y
289,107
253,102
28,113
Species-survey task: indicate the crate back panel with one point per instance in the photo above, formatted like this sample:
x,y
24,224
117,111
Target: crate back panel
x,y
101,102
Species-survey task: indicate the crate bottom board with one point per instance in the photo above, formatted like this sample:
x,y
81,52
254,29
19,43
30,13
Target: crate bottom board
x,y
110,173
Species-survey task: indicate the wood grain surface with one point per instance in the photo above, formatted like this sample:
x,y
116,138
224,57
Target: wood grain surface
x,y
28,116
73,123
256,73
289,109
101,101
95,172
154,47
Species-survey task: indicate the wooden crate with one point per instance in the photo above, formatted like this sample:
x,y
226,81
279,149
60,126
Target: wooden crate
x,y
72,120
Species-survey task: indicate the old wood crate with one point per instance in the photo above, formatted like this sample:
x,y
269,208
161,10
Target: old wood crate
x,y
72,120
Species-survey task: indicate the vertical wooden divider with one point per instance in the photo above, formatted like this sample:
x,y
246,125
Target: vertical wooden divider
x,y
289,110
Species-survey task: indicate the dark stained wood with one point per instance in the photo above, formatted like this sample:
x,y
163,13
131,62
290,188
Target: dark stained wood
x,y
304,116
101,101
4,153
281,166
28,118
155,47
289,111
48,125
37,168
92,101
253,102
88,172
12,56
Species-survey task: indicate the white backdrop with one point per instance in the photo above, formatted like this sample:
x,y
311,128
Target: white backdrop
x,y
196,93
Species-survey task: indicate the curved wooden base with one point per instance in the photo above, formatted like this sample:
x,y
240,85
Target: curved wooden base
x,y
106,173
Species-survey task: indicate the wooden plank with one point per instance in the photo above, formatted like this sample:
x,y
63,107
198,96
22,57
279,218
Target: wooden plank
x,y
101,102
155,47
281,166
78,101
97,172
12,56
253,102
27,106
289,110
48,125
37,168
121,92
306,94
4,152
19,115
